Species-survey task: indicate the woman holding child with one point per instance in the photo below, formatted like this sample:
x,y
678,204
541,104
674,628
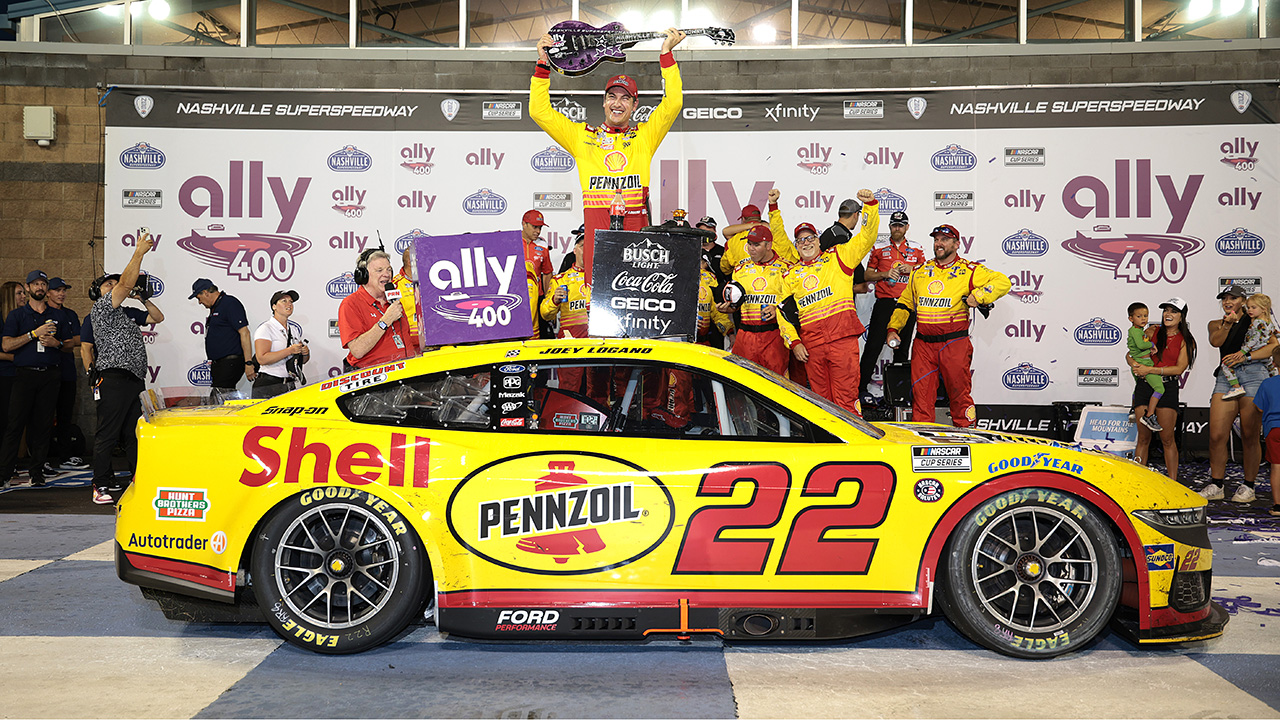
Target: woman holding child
x,y
1175,351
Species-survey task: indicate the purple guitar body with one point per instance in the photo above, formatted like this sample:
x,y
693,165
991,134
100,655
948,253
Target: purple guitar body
x,y
581,47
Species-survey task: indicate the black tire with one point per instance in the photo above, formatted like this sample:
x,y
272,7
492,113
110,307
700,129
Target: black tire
x,y
1032,573
337,571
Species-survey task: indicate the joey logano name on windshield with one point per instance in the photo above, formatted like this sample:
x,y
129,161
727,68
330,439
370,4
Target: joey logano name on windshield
x,y
581,507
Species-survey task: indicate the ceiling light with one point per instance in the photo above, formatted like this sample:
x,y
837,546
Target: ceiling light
x,y
699,17
661,20
631,20
110,10
1199,9
1230,7
766,34
158,9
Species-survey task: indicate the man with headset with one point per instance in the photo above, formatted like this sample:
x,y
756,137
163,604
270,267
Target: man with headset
x,y
373,330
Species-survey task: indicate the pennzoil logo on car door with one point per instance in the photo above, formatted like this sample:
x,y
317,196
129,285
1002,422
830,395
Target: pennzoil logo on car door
x,y
557,513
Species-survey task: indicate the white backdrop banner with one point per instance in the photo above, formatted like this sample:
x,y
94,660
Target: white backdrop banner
x,y
1088,198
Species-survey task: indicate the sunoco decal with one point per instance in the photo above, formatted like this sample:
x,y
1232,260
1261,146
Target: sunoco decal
x,y
560,513
940,458
181,504
1159,557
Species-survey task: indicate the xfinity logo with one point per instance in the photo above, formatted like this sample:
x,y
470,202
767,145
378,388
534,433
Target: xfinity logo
x,y
780,112
706,113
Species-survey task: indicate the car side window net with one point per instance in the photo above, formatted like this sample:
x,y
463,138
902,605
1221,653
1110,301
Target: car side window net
x,y
452,400
651,400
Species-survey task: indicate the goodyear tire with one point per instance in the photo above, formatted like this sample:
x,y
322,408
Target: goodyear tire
x,y
1032,573
338,571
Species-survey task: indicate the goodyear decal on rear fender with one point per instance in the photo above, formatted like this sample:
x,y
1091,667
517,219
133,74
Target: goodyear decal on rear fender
x,y
558,513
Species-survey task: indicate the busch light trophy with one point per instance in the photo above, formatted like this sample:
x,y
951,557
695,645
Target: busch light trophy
x,y
644,285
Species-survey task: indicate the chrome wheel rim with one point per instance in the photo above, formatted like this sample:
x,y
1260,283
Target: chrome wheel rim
x,y
1035,569
337,566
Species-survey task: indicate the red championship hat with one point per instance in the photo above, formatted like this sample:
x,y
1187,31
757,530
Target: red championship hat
x,y
760,234
533,217
750,212
804,226
626,82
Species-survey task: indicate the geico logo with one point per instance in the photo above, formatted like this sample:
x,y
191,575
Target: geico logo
x,y
638,303
355,464
707,113
530,617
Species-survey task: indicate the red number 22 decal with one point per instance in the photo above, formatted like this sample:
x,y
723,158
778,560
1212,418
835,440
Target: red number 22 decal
x,y
807,550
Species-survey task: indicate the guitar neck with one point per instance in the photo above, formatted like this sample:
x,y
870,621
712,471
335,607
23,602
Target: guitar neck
x,y
641,36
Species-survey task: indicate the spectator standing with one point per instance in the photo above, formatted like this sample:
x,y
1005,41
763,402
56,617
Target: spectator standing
x,y
1175,352
280,348
1267,401
735,247
227,342
1228,335
13,294
889,266
34,334
62,454
121,365
373,330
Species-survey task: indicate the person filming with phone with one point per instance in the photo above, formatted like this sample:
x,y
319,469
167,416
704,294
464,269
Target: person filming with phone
x,y
280,348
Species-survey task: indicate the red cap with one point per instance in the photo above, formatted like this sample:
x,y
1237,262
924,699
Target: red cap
x,y
533,217
626,82
759,234
750,212
946,231
803,226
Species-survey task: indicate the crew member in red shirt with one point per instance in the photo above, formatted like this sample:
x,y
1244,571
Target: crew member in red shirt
x,y
537,262
373,331
888,266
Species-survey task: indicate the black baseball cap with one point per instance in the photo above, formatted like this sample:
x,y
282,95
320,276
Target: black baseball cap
x,y
706,220
898,218
1234,291
291,294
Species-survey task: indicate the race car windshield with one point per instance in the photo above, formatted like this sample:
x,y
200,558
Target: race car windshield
x,y
809,395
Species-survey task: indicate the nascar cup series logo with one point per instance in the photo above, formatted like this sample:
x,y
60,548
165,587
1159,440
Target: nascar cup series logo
x,y
350,159
552,160
1024,243
560,513
142,157
341,286
1025,377
484,202
404,242
890,201
1240,243
954,158
200,375
1097,332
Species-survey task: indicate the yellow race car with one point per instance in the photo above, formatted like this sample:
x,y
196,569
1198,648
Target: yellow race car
x,y
621,488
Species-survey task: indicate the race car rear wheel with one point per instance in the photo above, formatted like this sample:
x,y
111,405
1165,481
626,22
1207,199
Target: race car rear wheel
x,y
338,571
1032,573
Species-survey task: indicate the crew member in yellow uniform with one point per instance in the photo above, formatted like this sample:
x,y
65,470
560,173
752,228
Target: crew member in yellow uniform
x,y
615,155
821,285
735,246
760,276
940,293
708,310
408,294
569,297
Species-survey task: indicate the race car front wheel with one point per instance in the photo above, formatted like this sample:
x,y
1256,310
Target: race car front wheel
x,y
1032,573
338,571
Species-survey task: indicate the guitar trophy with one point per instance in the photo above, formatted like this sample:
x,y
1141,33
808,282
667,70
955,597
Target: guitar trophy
x,y
579,48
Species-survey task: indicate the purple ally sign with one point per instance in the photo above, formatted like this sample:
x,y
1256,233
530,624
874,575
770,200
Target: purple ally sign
x,y
472,288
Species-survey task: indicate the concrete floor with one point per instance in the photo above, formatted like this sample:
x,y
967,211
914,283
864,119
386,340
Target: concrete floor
x,y
76,642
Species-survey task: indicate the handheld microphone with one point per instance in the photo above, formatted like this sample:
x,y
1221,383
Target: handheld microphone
x,y
393,292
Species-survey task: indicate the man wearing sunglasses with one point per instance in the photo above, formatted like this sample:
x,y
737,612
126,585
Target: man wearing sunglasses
x,y
940,294
888,266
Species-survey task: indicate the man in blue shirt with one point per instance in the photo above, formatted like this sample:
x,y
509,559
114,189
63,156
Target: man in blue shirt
x,y
34,333
227,341
1268,401
63,455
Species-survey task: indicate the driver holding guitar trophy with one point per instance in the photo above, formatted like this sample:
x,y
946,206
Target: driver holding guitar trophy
x,y
613,158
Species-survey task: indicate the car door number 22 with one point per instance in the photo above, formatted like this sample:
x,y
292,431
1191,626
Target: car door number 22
x,y
806,549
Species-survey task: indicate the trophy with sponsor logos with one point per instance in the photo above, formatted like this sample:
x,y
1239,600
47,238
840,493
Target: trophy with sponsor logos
x,y
645,284
580,48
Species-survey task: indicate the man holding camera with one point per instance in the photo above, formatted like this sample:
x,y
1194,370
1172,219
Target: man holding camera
x,y
121,364
34,333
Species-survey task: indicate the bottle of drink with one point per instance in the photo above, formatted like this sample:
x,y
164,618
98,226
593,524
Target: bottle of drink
x,y
617,211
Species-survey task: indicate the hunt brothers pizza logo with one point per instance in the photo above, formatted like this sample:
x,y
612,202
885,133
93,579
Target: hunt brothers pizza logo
x,y
181,504
560,513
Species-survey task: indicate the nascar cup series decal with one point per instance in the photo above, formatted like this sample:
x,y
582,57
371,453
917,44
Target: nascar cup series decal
x,y
560,513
